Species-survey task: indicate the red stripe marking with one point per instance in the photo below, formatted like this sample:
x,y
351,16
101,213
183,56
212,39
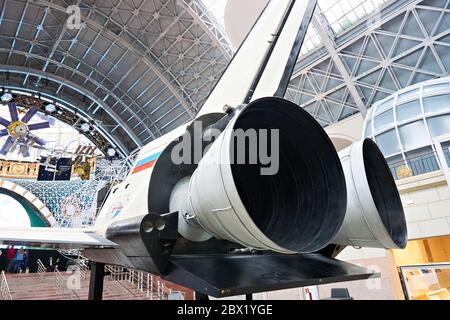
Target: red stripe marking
x,y
144,167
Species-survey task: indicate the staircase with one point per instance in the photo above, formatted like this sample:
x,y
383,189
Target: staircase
x,y
119,284
52,286
5,293
153,287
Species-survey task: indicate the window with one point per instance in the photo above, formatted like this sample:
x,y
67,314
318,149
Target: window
x,y
408,111
388,143
408,95
384,120
369,129
385,106
414,135
439,126
437,104
436,88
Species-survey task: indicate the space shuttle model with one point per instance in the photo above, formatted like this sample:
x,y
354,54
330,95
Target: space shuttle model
x,y
202,211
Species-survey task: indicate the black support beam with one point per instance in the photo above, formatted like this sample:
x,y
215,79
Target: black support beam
x,y
96,281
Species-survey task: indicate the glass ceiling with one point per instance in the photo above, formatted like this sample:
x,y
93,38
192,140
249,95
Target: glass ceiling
x,y
312,41
341,15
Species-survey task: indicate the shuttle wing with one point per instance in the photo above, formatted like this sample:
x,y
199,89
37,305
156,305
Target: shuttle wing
x,y
54,238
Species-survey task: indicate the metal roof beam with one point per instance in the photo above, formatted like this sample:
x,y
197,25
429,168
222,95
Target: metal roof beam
x,y
118,39
114,115
322,30
81,90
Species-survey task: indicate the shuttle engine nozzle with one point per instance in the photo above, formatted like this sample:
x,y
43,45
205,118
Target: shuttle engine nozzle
x,y
295,204
375,216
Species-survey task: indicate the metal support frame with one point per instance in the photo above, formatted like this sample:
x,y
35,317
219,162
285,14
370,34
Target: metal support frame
x,y
324,35
201,297
96,281
381,55
118,75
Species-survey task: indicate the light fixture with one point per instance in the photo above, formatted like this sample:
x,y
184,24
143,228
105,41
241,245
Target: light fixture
x,y
111,152
85,127
50,108
7,97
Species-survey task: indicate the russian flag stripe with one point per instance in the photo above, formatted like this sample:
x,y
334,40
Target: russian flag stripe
x,y
148,159
146,163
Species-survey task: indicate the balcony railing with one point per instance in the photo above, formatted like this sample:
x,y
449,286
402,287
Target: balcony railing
x,y
447,155
416,166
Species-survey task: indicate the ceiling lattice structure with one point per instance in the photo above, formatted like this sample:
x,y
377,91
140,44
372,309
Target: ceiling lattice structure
x,y
139,68
407,42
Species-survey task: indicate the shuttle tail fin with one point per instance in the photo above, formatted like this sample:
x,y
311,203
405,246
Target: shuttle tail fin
x,y
265,61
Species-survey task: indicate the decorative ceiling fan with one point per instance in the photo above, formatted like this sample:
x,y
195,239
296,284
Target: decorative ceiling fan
x,y
19,131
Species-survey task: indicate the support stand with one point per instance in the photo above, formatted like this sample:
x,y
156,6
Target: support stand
x,y
96,281
201,297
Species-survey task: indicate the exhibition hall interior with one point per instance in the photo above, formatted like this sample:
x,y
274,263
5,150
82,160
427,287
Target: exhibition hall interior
x,y
225,150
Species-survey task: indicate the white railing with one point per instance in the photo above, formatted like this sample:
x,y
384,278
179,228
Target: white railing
x,y
151,286
41,270
82,267
117,273
142,281
63,288
5,293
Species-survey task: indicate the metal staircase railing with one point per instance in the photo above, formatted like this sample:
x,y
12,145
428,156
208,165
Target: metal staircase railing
x,y
153,287
5,293
117,273
121,287
41,270
82,267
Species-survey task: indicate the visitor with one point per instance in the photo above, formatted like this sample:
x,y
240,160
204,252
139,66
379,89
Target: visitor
x,y
10,256
56,266
50,267
18,260
24,264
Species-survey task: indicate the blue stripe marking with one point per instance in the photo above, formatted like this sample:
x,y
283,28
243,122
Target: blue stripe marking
x,y
116,214
148,159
